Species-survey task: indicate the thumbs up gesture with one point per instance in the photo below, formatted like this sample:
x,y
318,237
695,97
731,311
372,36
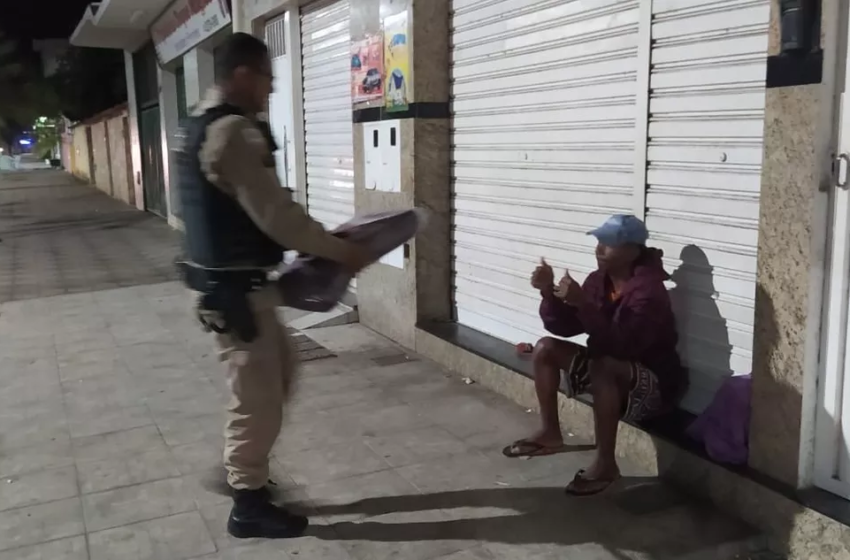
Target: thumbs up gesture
x,y
543,276
569,290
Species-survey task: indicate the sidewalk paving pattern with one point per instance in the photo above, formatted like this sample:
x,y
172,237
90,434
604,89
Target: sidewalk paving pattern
x,y
110,435
58,236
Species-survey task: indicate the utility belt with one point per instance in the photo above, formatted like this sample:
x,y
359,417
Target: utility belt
x,y
223,305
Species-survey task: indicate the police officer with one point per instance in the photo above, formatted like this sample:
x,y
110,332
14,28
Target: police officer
x,y
238,221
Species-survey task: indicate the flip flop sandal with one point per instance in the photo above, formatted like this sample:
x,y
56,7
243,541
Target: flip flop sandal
x,y
581,486
528,448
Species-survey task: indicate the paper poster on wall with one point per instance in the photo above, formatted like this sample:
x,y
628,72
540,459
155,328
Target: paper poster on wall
x,y
367,69
397,62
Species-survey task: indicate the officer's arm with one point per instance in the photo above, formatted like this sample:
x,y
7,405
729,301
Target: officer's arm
x,y
233,159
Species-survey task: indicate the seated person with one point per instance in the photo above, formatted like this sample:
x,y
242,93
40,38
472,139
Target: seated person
x,y
630,365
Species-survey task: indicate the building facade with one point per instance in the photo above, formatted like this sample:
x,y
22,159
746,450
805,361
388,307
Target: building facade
x,y
98,153
522,124
169,52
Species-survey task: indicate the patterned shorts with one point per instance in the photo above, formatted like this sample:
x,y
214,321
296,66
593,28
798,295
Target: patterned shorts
x,y
644,398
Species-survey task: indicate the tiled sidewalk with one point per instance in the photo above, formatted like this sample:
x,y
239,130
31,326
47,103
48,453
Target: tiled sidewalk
x,y
58,236
110,423
111,404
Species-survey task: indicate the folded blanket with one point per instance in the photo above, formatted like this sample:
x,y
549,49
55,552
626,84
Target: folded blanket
x,y
316,284
724,427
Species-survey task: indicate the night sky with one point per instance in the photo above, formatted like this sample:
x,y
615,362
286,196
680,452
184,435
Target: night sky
x,y
40,19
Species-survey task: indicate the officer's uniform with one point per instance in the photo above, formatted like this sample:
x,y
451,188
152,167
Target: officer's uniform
x,y
238,217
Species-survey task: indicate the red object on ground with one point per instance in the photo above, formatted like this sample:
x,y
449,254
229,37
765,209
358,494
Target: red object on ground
x,y
524,348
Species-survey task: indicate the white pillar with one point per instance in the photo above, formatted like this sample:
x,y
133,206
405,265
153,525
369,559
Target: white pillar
x,y
237,16
133,124
297,146
199,69
169,123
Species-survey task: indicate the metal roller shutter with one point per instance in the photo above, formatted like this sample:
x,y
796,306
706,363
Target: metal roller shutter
x,y
566,112
704,175
328,129
544,102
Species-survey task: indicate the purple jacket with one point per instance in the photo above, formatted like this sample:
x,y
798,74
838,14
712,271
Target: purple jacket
x,y
639,326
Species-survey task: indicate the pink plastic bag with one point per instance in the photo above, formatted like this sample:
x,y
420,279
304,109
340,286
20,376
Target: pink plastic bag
x,y
315,284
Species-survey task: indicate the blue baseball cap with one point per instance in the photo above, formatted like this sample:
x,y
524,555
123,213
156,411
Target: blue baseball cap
x,y
621,229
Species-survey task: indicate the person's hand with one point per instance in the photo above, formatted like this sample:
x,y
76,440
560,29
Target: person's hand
x,y
543,277
569,290
356,258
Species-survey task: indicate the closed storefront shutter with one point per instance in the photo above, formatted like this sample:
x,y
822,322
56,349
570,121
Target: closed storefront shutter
x,y
544,104
566,112
327,111
704,175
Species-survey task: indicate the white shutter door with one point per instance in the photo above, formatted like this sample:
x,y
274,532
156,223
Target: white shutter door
x,y
325,51
704,175
280,101
544,102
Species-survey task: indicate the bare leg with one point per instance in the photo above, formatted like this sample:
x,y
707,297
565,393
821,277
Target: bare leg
x,y
547,379
610,381
549,358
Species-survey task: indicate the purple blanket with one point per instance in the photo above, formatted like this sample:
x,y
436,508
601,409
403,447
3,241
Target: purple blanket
x,y
724,427
315,284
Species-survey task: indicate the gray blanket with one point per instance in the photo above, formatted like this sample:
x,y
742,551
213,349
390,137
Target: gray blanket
x,y
315,284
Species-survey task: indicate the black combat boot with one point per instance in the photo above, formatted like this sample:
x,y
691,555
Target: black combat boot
x,y
255,516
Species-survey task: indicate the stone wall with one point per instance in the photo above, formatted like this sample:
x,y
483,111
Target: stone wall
x,y
80,147
392,300
121,166
799,136
108,144
100,149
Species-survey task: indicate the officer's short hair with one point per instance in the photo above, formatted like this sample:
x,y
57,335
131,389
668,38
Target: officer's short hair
x,y
240,49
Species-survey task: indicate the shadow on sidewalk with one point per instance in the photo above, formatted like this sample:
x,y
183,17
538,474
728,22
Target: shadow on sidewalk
x,y
645,516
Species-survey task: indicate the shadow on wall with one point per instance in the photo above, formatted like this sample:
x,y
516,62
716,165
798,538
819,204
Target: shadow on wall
x,y
703,333
772,514
784,402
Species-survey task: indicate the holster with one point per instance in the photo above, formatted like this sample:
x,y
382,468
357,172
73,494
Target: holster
x,y
225,293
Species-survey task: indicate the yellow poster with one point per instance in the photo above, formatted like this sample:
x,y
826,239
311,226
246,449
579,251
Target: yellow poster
x,y
397,62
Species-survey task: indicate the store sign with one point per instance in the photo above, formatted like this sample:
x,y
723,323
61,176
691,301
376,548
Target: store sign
x,y
185,24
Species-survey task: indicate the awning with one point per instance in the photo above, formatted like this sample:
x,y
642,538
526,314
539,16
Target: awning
x,y
117,24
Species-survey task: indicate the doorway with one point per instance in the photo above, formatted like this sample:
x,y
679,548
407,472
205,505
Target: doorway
x,y
150,138
832,436
145,67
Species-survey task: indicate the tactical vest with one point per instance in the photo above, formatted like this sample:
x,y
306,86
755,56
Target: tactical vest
x,y
218,232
